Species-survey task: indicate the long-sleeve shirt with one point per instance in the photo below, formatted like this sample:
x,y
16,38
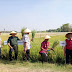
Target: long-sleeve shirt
x,y
45,46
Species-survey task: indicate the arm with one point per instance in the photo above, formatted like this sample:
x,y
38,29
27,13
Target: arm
x,y
65,51
1,44
49,48
42,46
9,45
43,49
25,49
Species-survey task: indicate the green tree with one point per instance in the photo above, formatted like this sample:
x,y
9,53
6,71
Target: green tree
x,y
58,29
71,27
65,28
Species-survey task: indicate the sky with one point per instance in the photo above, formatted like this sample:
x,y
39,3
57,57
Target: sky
x,y
34,14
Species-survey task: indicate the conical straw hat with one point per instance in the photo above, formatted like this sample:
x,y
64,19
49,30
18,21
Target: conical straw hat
x,y
47,37
13,32
27,31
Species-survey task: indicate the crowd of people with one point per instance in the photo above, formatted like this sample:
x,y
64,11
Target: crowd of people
x,y
13,45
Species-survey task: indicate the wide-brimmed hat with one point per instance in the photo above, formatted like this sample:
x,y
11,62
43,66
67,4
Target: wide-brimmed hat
x,y
27,31
47,37
68,34
13,32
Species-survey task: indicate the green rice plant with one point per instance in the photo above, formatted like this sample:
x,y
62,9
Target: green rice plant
x,y
54,57
22,31
56,42
33,34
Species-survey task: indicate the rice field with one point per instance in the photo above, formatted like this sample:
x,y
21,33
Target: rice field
x,y
53,57
56,60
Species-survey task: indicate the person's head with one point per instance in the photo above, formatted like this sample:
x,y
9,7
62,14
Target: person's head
x,y
68,35
71,35
13,33
46,38
27,31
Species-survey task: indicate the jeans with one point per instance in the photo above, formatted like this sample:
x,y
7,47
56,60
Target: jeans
x,y
15,47
68,53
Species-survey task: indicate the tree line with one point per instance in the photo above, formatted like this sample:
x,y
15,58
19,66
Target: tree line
x,y
64,28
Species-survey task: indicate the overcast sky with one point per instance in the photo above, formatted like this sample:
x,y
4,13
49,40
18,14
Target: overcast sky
x,y
34,14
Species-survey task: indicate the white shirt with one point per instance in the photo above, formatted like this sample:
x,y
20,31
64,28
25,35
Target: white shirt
x,y
0,41
27,40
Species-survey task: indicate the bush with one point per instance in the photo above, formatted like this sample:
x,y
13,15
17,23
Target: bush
x,y
33,34
22,31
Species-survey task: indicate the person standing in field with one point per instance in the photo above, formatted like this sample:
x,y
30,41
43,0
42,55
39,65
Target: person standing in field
x,y
68,47
44,48
0,44
12,43
26,43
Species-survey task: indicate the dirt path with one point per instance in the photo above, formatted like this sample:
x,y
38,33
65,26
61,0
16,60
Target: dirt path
x,y
22,69
13,68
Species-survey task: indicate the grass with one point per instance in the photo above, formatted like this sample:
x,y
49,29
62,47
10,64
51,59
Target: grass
x,y
54,57
56,60
22,66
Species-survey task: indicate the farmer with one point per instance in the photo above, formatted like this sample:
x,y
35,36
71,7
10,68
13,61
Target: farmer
x,y
0,44
12,43
68,47
44,48
26,43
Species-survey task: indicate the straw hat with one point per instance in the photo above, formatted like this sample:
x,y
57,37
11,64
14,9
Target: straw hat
x,y
27,31
13,32
47,37
68,34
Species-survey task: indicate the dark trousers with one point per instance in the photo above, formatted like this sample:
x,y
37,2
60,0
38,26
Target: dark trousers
x,y
28,54
44,57
68,54
15,47
0,52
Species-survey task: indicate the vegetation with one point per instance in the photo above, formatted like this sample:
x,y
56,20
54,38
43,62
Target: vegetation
x,y
53,57
56,59
56,42
33,34
22,66
22,31
64,28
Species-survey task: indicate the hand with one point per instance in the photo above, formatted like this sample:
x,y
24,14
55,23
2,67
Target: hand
x,y
11,49
46,50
